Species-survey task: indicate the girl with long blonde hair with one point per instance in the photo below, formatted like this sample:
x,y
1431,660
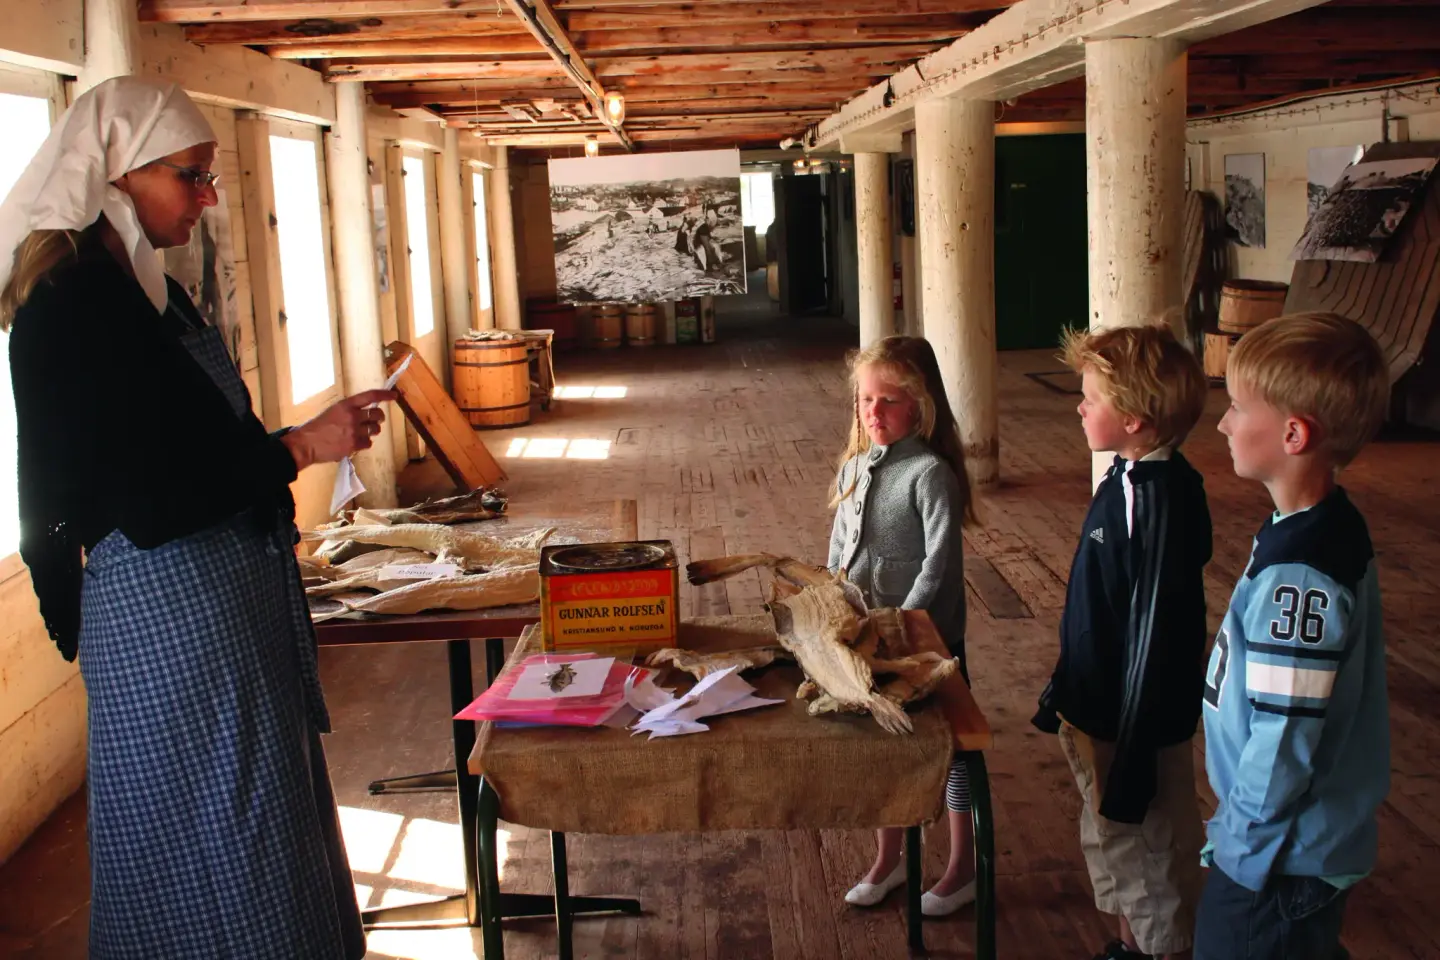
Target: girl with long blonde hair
x,y
901,499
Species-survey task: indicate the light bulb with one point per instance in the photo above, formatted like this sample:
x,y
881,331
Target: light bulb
x,y
615,106
592,147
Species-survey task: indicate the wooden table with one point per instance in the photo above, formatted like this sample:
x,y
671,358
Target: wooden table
x,y
587,523
968,728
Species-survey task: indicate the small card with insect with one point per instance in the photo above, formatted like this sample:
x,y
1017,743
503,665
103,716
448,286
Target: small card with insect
x,y
574,678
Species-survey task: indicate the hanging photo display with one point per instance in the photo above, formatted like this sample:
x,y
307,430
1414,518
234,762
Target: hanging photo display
x,y
1363,210
1245,198
647,227
205,267
1323,167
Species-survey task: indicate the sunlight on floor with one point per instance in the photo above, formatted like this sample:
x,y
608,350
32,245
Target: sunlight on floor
x,y
459,943
590,393
431,852
369,837
554,448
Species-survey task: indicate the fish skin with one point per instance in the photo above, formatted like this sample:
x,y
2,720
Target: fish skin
x,y
498,588
474,548
701,665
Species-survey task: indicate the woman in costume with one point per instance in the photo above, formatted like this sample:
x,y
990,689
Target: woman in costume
x,y
157,523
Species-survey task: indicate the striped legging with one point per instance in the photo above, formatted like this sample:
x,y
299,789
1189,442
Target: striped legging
x,y
957,787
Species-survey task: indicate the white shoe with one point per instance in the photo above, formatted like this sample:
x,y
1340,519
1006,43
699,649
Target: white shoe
x,y
868,894
932,905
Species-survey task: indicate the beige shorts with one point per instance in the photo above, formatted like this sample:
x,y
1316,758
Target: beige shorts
x,y
1149,872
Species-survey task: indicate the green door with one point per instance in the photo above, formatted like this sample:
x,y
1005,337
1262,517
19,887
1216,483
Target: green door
x,y
1041,239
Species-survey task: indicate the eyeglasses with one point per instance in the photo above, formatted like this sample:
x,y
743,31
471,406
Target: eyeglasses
x,y
197,178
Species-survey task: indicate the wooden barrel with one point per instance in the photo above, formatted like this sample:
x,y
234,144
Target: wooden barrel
x,y
560,317
492,382
640,324
1245,304
609,319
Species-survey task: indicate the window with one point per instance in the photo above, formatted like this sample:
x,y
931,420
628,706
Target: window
x,y
417,229
757,200
303,279
26,122
482,242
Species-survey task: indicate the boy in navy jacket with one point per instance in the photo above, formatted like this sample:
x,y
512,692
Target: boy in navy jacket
x,y
1125,694
1297,735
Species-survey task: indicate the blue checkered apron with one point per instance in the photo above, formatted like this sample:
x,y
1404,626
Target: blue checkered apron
x,y
213,830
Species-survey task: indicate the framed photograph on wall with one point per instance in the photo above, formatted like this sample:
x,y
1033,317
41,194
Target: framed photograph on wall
x,y
905,195
1245,198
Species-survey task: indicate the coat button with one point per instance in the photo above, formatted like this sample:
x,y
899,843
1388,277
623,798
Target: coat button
x,y
855,537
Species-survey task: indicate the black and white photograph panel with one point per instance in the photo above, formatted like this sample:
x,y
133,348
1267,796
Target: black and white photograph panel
x,y
205,267
1363,210
1323,168
1245,198
647,227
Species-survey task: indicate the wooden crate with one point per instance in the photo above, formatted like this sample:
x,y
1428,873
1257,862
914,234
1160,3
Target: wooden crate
x,y
437,419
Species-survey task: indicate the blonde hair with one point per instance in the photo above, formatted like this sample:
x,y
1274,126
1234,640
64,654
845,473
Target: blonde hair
x,y
909,363
1320,367
39,255
1145,373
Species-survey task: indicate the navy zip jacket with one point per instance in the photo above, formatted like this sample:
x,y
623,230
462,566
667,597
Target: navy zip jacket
x,y
1132,638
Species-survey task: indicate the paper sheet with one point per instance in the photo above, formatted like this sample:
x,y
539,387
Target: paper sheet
x,y
347,481
534,681
347,486
724,691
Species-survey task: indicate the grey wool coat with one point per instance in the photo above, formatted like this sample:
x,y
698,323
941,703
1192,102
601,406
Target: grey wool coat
x,y
897,536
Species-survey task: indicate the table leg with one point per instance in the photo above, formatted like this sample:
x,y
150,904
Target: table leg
x,y
562,894
913,881
983,815
494,658
464,907
487,822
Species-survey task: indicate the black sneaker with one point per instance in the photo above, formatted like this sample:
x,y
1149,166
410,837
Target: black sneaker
x,y
1116,950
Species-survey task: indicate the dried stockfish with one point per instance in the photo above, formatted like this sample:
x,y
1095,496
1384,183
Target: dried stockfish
x,y
473,548
479,591
701,665
476,505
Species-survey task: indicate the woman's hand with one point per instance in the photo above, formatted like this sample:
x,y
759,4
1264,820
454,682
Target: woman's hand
x,y
342,429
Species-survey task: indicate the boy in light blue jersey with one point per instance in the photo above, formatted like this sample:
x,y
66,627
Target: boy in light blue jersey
x,y
1297,737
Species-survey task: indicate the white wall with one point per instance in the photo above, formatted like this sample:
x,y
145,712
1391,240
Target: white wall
x,y
1285,135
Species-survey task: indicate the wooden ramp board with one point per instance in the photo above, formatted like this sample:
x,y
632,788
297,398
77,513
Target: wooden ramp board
x,y
437,418
994,590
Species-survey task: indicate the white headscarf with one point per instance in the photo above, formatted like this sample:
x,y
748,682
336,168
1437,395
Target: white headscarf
x,y
108,131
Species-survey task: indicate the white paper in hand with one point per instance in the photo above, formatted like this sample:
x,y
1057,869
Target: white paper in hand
x,y
347,486
394,378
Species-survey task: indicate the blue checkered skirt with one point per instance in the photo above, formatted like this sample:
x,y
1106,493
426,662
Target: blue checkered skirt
x,y
213,829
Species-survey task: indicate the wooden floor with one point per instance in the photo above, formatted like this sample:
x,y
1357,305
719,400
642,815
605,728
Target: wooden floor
x,y
729,448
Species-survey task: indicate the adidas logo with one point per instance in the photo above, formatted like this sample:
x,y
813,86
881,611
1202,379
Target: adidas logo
x,y
1098,534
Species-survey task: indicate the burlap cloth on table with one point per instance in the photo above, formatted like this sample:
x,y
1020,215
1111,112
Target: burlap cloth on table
x,y
772,768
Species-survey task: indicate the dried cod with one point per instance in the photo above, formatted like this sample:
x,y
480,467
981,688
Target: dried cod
x,y
701,665
475,505
841,646
475,549
498,588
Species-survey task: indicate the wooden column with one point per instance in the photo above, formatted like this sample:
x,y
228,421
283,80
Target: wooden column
x,y
112,39
357,283
1135,181
453,247
955,201
872,223
506,271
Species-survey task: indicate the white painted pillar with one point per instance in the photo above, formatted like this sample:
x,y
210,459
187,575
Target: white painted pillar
x,y
357,283
112,40
1135,181
453,244
872,222
955,201
502,245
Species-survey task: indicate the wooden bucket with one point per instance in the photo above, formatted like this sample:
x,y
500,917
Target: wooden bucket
x,y
492,382
560,317
609,321
1245,304
640,324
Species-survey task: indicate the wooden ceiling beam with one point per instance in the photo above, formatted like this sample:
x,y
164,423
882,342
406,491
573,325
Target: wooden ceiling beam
x,y
273,32
216,11
483,46
1332,32
540,20
1314,65
451,94
704,16
698,32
